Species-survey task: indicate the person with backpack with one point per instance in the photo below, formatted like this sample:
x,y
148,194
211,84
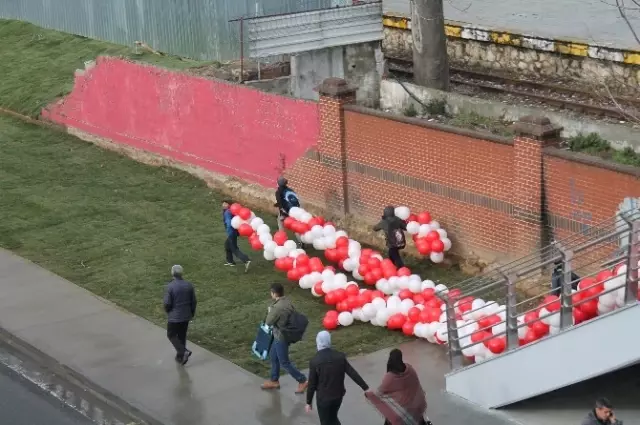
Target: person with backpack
x,y
288,328
394,229
231,243
286,198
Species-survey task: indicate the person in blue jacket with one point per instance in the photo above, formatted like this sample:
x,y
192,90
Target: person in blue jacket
x,y
231,244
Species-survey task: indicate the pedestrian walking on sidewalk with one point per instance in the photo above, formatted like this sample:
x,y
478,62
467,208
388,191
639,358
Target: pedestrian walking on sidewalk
x,y
180,305
400,398
231,244
602,414
327,371
279,317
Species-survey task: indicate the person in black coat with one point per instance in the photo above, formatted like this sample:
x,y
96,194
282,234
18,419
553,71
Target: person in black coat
x,y
327,371
180,306
394,229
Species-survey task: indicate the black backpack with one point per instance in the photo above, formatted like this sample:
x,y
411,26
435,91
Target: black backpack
x,y
397,239
295,328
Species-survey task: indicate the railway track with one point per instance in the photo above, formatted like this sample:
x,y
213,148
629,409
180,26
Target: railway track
x,y
562,97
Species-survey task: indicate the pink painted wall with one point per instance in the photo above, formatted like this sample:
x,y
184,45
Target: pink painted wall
x,y
223,127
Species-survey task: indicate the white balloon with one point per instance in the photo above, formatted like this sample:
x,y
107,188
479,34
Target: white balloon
x,y
265,237
269,256
447,244
554,330
467,351
428,284
434,225
477,308
374,321
413,227
402,213
349,264
256,223
296,212
382,316
345,318
357,314
441,289
424,229
357,275
436,257
499,329
394,301
490,308
354,248
306,217
315,277
442,333
281,252
319,244
443,317
327,286
604,309
270,246
543,312
522,331
418,329
554,320
622,270
369,310
314,293
317,231
329,242
608,299
340,280
327,274
290,245
616,282
236,222
403,282
294,254
415,286
378,303
329,230
341,233
406,305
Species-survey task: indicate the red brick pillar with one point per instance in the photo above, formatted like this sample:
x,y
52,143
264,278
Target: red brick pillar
x,y
334,93
533,134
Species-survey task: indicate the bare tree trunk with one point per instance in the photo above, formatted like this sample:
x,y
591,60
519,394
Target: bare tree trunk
x,y
430,59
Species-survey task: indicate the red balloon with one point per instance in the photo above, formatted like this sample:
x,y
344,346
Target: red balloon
x,y
424,316
589,308
434,314
454,293
437,246
530,336
363,269
333,269
366,253
314,222
478,336
330,323
374,262
331,313
465,304
376,294
414,314
412,217
418,299
256,244
293,274
330,298
541,329
388,272
279,264
341,294
387,263
302,260
343,252
377,275
603,276
363,299
424,217
428,293
484,322
432,236
405,294
342,306
497,345
617,268
288,222
300,227
353,302
244,213
407,328
352,289
434,303
404,271
317,288
370,279
586,283
331,254
579,316
245,230
235,208
396,321
531,317
303,271
321,220
423,247
342,241
315,264
551,303
280,237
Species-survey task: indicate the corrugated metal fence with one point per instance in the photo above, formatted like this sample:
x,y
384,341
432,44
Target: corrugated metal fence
x,y
199,29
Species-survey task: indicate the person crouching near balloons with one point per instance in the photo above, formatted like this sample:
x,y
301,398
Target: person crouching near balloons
x,y
394,229
286,199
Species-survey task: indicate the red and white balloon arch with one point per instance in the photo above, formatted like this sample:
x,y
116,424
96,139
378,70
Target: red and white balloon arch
x,y
400,300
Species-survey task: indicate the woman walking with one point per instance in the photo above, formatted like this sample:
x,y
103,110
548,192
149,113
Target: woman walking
x,y
400,398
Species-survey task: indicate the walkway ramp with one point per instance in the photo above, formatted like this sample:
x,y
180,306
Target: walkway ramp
x,y
565,314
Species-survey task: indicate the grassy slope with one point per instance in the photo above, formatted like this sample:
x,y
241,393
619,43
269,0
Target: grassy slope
x,y
37,65
115,227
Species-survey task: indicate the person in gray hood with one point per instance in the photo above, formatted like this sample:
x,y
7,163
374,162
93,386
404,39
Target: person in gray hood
x,y
180,305
602,414
394,229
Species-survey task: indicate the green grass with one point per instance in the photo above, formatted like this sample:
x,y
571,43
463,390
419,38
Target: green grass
x,y
37,65
594,144
115,227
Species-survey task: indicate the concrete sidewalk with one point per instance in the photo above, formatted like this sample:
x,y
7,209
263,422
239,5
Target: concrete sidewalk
x,y
131,358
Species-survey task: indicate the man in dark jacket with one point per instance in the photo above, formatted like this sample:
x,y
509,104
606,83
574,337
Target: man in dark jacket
x,y
557,278
277,317
231,243
327,371
394,229
602,414
286,198
180,305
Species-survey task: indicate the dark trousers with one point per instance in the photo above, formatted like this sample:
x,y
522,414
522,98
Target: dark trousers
x,y
422,422
328,412
231,249
177,334
394,255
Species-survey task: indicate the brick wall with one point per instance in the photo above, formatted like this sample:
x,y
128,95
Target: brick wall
x,y
219,126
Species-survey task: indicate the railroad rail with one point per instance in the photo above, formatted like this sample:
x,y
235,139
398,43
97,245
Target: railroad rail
x,y
563,97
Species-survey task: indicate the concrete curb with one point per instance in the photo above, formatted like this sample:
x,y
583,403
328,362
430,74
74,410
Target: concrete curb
x,y
66,385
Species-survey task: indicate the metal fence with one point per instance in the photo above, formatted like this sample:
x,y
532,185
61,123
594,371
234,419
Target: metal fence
x,y
198,29
582,264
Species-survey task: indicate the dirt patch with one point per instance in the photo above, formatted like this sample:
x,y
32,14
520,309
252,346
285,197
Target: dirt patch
x,y
251,70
